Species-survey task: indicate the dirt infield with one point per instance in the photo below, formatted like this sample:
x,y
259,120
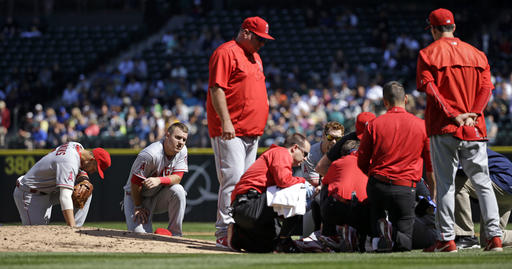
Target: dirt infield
x,y
66,239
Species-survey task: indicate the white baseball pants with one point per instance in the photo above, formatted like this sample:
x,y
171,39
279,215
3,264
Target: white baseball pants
x,y
172,200
232,158
446,152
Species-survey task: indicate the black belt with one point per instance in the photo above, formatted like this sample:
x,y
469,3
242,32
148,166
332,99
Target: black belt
x,y
249,195
396,182
30,189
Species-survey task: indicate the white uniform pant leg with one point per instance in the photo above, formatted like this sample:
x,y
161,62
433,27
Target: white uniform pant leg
x,y
464,225
81,213
129,210
232,158
173,201
34,209
473,158
444,155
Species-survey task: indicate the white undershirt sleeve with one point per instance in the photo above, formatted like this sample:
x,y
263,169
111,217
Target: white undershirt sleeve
x,y
65,198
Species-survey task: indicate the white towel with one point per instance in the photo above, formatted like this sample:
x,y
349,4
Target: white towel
x,y
287,202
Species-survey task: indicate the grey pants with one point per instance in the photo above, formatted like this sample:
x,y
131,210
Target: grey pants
x,y
232,158
463,218
171,200
447,152
36,209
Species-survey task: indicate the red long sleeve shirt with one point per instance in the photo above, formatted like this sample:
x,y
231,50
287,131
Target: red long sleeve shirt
x,y
396,143
457,79
272,168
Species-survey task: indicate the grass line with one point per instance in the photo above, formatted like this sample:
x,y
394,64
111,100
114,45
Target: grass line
x,y
464,259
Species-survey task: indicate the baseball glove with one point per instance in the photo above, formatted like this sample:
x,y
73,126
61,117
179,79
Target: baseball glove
x,y
81,193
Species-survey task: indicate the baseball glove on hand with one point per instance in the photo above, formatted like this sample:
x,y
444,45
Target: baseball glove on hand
x,y
81,193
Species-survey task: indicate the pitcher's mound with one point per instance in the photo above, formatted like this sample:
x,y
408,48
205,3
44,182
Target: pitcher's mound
x,y
53,238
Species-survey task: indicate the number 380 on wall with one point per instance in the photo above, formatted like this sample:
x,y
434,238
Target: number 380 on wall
x,y
18,165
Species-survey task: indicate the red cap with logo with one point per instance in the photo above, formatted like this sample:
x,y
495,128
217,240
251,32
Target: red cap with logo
x,y
258,26
362,119
440,17
102,159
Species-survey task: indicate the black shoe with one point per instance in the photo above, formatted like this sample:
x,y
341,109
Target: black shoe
x,y
287,245
467,242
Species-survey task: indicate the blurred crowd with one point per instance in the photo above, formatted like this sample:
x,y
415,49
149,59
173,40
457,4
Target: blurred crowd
x,y
126,104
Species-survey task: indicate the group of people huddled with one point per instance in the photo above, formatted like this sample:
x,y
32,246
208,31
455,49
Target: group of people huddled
x,y
395,184
367,191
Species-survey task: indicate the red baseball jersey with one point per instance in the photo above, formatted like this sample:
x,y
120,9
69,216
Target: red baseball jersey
x,y
240,75
396,143
272,168
344,177
457,79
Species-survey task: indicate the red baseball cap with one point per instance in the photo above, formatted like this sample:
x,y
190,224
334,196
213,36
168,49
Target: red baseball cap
x,y
258,26
440,17
362,119
102,159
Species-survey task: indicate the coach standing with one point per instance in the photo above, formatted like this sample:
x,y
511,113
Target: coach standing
x,y
392,151
457,81
237,110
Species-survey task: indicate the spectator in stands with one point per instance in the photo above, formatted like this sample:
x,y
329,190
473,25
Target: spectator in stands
x,y
38,136
10,27
126,66
134,88
92,129
63,115
492,128
140,68
5,122
179,72
169,41
25,131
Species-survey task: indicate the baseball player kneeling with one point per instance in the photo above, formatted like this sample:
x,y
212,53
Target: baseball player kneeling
x,y
153,186
51,181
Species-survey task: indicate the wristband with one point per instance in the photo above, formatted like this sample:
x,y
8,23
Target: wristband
x,y
165,181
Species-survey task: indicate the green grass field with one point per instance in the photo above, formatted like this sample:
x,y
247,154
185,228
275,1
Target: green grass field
x,y
416,259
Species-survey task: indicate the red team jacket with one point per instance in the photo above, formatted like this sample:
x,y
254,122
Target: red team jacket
x,y
241,76
272,168
457,79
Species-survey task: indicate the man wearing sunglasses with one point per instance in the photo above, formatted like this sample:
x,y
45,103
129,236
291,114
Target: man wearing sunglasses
x,y
237,110
332,132
257,232
334,152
